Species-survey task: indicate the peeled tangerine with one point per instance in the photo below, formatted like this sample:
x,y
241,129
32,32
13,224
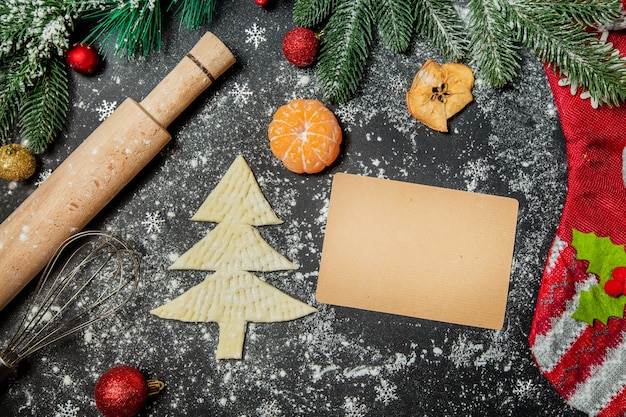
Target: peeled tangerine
x,y
305,136
439,92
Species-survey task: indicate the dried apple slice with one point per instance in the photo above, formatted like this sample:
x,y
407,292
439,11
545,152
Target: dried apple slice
x,y
439,92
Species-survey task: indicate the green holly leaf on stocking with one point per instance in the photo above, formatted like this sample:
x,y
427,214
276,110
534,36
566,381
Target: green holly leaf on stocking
x,y
603,257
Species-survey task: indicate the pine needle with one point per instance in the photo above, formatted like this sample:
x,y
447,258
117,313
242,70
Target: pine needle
x,y
9,97
309,13
133,27
571,49
441,24
344,49
194,13
587,12
44,108
493,52
395,20
15,80
556,31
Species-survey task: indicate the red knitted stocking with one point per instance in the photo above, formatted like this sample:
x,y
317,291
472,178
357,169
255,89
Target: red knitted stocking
x,y
585,363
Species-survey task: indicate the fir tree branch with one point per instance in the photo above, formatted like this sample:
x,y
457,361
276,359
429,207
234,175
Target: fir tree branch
x,y
133,28
9,101
493,50
194,13
44,108
37,30
33,38
309,13
344,49
588,12
395,20
441,24
13,29
570,48
15,79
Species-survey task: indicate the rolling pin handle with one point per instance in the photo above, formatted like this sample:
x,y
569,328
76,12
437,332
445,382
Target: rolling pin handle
x,y
205,62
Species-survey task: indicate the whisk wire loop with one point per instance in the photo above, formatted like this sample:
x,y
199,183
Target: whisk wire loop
x,y
90,277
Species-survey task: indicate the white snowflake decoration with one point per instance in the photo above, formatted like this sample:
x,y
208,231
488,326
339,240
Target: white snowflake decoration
x,y
347,114
43,176
386,392
256,35
464,351
153,222
106,109
269,409
475,172
353,408
524,389
241,93
398,84
67,410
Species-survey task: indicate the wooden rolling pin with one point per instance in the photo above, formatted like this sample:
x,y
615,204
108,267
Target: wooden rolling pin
x,y
100,167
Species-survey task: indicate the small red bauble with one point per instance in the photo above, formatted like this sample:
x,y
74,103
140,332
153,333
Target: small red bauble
x,y
300,47
619,273
614,288
82,58
261,3
121,391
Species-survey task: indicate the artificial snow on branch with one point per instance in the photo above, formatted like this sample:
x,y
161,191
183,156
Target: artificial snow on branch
x,y
487,34
33,81
34,36
489,38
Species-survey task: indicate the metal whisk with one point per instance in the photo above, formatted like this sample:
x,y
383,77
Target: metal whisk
x,y
91,276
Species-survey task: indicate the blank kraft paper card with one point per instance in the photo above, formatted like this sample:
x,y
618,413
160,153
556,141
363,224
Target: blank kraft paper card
x,y
417,251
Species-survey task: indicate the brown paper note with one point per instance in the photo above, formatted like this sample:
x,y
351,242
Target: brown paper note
x,y
418,251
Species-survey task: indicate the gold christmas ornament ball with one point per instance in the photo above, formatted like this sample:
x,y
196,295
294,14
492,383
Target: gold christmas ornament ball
x,y
17,163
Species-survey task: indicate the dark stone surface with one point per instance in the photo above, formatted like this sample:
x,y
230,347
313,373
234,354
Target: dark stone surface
x,y
339,361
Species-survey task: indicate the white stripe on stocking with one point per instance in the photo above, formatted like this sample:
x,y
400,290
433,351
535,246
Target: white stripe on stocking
x,y
557,246
606,381
564,330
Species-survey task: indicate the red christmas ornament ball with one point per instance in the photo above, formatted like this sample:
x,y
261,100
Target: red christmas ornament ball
x,y
261,3
83,58
122,391
300,47
614,288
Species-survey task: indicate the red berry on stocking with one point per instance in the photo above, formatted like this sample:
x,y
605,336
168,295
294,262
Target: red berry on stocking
x,y
619,273
83,58
122,391
582,351
614,288
300,47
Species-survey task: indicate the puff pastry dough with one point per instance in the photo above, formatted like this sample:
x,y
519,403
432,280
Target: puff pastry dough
x,y
232,296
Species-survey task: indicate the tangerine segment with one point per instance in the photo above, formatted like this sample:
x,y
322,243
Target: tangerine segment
x,y
305,136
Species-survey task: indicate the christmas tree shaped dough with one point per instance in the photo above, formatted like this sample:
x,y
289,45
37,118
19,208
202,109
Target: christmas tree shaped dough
x,y
232,247
237,198
232,299
232,296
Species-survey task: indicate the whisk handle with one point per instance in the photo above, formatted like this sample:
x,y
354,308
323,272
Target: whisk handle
x,y
5,370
